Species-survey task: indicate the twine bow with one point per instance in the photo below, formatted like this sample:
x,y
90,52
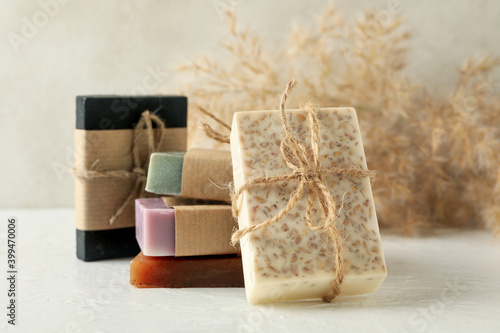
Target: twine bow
x,y
305,168
141,161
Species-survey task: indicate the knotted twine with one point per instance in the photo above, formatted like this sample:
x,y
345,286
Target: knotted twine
x,y
305,168
141,161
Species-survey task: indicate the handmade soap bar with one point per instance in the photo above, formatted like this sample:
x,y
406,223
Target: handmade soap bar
x,y
172,272
286,260
165,173
108,112
104,137
192,230
106,244
155,227
199,174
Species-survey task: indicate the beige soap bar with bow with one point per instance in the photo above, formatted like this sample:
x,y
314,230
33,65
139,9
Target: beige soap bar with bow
x,y
287,260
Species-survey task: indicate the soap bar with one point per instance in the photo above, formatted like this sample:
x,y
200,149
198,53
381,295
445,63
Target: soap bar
x,y
198,173
155,227
286,260
192,230
109,112
188,272
94,245
165,173
103,139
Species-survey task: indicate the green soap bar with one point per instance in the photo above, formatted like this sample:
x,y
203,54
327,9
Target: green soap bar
x,y
165,173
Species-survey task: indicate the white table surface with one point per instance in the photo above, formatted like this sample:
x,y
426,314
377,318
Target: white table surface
x,y
449,282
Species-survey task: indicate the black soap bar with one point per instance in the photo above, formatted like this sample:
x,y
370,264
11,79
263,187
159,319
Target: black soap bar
x,y
107,113
92,245
123,112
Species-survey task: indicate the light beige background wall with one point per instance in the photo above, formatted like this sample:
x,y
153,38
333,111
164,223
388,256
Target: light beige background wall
x,y
93,46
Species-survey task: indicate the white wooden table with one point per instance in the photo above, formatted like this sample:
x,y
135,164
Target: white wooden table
x,y
449,282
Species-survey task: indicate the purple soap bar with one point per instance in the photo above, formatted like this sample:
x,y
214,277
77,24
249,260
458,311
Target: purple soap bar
x,y
155,227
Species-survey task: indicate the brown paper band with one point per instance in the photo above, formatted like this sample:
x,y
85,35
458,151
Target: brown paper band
x,y
204,230
207,174
96,200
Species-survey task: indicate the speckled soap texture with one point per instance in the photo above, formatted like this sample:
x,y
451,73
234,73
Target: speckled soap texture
x,y
287,261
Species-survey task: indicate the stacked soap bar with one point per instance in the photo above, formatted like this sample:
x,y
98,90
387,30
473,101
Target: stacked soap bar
x,y
171,272
186,242
166,173
183,230
104,136
198,173
286,260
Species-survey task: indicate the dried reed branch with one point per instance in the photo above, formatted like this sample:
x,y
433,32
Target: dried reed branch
x,y
440,157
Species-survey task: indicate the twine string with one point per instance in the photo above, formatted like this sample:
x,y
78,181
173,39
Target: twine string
x,y
209,131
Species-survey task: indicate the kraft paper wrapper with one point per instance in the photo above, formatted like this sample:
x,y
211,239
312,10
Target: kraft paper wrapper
x,y
202,229
206,174
97,200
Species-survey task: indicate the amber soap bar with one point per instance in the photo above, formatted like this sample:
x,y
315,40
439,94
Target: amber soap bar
x,y
187,272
